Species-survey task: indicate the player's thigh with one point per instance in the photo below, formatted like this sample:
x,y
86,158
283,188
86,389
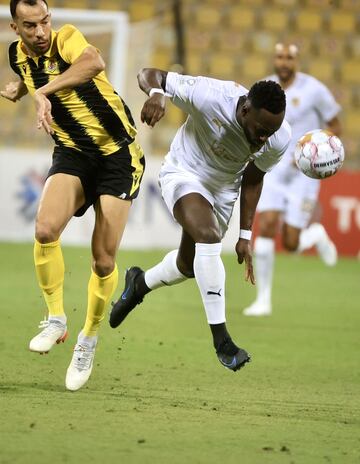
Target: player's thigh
x,y
301,202
196,216
111,214
62,196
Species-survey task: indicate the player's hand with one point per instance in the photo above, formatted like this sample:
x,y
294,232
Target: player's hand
x,y
243,251
153,109
13,91
43,112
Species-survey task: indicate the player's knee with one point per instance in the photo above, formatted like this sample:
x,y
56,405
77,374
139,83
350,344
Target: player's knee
x,y
267,228
207,235
290,244
46,233
103,266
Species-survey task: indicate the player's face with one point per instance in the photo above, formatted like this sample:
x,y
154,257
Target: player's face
x,y
33,25
259,125
285,64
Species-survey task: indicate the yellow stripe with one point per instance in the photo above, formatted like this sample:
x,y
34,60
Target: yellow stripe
x,y
88,121
137,154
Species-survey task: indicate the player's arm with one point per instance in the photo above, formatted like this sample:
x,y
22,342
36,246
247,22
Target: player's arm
x,y
251,187
154,107
14,90
88,65
82,70
334,126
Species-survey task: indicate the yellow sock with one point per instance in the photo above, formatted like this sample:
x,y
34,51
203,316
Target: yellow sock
x,y
100,291
50,270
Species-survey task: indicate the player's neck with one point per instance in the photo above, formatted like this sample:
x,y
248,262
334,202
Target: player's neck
x,y
288,82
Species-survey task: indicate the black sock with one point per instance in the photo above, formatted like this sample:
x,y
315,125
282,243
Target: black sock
x,y
219,333
140,285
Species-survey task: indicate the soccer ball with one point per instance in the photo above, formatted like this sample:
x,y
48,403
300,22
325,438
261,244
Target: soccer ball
x,y
319,154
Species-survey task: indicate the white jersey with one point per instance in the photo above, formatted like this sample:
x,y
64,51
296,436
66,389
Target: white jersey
x,y
211,143
309,105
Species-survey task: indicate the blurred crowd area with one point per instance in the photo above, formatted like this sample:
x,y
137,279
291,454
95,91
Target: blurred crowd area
x,y
234,39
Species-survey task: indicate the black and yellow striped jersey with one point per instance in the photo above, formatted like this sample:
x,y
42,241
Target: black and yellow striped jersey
x,y
91,117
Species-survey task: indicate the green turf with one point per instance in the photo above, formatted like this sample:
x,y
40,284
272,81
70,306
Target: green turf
x,y
158,393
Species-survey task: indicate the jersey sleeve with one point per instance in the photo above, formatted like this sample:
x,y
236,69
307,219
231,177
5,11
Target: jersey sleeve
x,y
71,43
325,103
186,92
274,150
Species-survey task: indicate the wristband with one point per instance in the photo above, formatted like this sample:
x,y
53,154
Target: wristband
x,y
245,234
156,90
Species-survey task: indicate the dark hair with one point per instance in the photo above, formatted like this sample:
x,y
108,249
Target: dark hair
x,y
268,95
14,4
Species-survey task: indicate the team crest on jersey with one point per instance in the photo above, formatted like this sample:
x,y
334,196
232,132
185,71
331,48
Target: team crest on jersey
x,y
295,101
218,123
52,66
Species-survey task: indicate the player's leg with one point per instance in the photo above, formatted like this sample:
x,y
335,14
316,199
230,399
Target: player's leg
x,y
297,235
264,256
110,220
271,205
316,235
138,283
196,216
61,197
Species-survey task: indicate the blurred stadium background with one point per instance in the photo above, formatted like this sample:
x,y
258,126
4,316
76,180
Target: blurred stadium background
x,y
228,39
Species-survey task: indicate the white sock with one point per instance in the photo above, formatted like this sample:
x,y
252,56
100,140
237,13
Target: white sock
x,y
61,319
210,277
164,273
85,340
311,236
264,264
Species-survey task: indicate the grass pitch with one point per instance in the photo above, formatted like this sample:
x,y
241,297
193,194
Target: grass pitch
x,y
158,393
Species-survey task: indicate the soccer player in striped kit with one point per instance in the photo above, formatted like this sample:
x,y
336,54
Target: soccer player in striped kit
x,y
96,161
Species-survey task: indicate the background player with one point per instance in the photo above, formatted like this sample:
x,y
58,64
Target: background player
x,y
230,139
96,161
288,194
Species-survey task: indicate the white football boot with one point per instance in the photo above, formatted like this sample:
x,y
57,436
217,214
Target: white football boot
x,y
54,332
81,365
258,309
325,247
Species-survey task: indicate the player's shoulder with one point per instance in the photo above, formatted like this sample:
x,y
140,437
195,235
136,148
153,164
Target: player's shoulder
x,y
221,91
16,55
66,31
13,47
308,80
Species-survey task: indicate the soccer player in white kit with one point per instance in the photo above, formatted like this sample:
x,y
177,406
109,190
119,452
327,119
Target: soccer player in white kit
x,y
288,194
231,138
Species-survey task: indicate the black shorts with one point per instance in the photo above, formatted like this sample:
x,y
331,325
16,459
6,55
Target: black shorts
x,y
118,174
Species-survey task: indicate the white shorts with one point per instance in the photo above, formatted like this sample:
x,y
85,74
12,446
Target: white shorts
x,y
288,190
175,182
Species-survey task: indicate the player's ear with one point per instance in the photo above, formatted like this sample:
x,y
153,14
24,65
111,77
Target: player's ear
x,y
245,108
14,27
